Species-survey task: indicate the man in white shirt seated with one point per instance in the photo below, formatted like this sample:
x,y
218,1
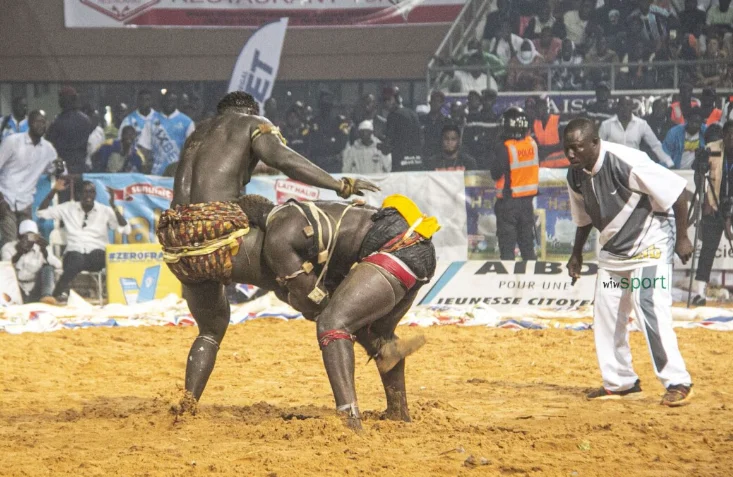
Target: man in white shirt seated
x,y
87,225
34,264
24,158
364,157
630,130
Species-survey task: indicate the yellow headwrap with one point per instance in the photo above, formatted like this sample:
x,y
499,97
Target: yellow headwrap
x,y
422,224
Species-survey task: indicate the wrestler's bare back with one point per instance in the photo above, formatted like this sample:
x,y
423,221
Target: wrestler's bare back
x,y
217,159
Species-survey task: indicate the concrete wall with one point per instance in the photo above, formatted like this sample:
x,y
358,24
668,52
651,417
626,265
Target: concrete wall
x,y
37,47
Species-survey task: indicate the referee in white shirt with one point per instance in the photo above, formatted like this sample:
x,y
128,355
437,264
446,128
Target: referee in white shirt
x,y
640,212
630,130
24,157
87,230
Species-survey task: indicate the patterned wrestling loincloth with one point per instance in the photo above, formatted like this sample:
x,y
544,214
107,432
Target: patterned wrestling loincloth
x,y
199,240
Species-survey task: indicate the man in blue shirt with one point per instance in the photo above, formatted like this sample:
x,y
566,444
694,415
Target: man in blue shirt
x,y
165,134
119,155
142,115
16,122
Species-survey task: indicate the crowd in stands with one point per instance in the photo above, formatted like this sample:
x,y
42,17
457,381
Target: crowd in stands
x,y
521,38
381,135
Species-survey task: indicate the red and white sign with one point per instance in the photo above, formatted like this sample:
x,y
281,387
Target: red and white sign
x,y
254,13
286,189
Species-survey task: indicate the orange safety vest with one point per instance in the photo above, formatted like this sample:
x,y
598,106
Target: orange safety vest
x,y
714,117
676,115
547,135
524,168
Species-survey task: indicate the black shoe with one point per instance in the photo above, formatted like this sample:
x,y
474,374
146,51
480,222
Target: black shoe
x,y
602,393
699,301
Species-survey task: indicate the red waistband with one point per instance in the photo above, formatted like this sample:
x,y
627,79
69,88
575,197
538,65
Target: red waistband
x,y
393,266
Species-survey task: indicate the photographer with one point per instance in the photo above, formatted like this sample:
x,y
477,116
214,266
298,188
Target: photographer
x,y
24,158
34,264
716,215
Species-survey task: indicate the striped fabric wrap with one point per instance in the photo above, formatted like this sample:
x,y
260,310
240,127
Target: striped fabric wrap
x,y
199,240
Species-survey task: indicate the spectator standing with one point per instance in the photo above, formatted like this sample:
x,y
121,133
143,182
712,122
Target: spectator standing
x,y
432,124
69,132
602,108
711,114
402,134
34,264
16,122
142,115
720,17
548,45
684,102
683,140
654,22
24,158
96,137
576,21
297,133
112,130
712,74
515,168
364,156
488,100
119,155
545,128
658,119
630,130
164,135
451,157
544,19
365,110
330,134
690,17
473,107
87,224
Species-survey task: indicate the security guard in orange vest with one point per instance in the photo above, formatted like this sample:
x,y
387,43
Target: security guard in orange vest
x,y
516,170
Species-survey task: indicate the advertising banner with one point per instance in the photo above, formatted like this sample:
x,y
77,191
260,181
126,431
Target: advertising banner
x,y
440,194
256,68
140,198
137,273
503,285
253,13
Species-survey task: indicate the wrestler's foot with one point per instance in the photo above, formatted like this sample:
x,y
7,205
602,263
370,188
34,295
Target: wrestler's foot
x,y
395,351
353,418
392,414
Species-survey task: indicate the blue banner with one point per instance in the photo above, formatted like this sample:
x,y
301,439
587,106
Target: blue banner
x,y
140,198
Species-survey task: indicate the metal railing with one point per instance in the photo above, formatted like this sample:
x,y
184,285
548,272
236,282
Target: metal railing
x,y
616,74
470,16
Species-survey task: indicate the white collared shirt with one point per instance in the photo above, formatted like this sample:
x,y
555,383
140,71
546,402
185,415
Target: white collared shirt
x,y
21,165
80,237
637,130
29,264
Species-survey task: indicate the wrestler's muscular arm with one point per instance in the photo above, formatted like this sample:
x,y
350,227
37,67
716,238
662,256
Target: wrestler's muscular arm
x,y
274,153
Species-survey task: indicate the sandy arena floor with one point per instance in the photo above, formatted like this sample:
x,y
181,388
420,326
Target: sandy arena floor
x,y
97,401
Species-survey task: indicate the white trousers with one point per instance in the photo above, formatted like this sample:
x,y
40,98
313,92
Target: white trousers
x,y
648,292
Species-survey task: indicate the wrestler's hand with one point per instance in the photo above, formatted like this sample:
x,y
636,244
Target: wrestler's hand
x,y
683,248
351,186
575,264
